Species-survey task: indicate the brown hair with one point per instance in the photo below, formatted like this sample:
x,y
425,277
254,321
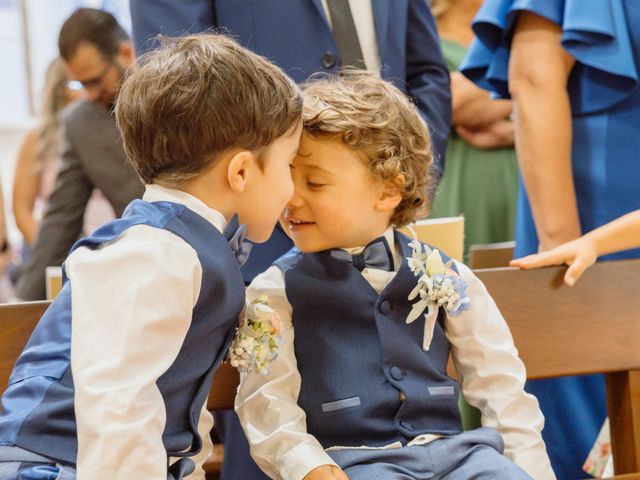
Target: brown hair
x,y
196,97
372,116
96,27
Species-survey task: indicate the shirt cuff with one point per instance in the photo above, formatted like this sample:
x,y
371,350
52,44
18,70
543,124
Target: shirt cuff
x,y
299,461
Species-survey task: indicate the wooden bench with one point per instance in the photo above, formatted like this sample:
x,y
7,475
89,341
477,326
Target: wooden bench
x,y
491,255
18,320
593,327
555,340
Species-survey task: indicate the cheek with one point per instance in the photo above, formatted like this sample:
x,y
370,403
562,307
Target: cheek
x,y
281,186
288,188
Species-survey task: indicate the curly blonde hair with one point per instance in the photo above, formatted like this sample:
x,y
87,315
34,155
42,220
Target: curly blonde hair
x,y
373,117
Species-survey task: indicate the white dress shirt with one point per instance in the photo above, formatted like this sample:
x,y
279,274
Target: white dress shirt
x,y
489,369
132,301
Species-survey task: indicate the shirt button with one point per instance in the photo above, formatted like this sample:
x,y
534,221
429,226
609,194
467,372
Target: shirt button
x,y
396,373
385,307
403,397
328,59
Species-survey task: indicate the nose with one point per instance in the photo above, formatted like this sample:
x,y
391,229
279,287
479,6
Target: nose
x,y
295,200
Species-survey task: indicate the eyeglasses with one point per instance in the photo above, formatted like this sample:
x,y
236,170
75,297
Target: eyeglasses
x,y
92,83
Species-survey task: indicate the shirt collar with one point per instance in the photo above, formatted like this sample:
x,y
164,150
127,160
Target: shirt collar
x,y
158,193
389,237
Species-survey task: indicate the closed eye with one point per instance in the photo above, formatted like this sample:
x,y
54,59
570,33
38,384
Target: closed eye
x,y
314,185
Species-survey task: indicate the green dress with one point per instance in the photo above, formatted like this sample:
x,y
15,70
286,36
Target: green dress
x,y
480,184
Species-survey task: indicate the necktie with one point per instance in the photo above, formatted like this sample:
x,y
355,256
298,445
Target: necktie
x,y
235,235
345,34
375,255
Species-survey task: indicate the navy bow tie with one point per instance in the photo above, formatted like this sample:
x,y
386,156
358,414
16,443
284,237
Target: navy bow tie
x,y
235,235
375,255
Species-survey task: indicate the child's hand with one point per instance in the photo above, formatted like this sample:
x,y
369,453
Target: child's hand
x,y
578,254
326,472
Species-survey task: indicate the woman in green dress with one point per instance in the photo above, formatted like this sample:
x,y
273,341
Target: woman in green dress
x,y
480,179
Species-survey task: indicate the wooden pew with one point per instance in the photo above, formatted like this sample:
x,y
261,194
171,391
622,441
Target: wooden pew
x,y
558,330
593,327
18,320
491,255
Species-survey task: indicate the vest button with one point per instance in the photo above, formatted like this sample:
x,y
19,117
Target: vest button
x,y
385,307
328,60
403,397
396,373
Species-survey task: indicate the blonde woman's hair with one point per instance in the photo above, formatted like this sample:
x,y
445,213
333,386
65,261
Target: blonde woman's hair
x,y
54,99
373,117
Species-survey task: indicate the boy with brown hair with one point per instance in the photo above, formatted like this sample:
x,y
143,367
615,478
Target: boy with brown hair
x,y
359,388
114,379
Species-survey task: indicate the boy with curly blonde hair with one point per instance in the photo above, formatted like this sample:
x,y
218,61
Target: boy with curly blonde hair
x,y
359,388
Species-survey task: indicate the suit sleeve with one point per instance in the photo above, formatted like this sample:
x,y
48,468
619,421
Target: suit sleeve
x,y
62,221
427,76
168,17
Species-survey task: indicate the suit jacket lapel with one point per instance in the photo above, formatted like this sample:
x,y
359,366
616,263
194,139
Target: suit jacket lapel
x,y
381,18
318,5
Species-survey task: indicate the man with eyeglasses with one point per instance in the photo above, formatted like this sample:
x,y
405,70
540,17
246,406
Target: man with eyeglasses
x,y
96,51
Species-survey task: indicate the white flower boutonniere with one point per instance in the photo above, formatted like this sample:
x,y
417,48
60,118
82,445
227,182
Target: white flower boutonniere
x,y
257,339
438,286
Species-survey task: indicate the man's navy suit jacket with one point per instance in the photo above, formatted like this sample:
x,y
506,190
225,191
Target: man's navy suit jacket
x,y
296,36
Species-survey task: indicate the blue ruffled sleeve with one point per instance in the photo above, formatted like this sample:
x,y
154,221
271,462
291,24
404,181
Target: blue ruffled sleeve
x,y
594,32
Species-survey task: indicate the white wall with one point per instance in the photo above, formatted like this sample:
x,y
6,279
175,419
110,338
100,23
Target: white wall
x,y
44,18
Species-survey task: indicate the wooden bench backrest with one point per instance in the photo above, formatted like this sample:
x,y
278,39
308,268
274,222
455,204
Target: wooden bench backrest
x,y
17,321
593,327
491,255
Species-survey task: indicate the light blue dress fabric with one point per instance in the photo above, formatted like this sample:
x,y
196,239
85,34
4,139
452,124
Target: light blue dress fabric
x,y
604,38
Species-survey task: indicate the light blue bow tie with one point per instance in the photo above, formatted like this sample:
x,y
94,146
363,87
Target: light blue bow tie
x,y
235,234
375,255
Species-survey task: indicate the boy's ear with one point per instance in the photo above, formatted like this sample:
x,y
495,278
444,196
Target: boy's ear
x,y
389,195
238,170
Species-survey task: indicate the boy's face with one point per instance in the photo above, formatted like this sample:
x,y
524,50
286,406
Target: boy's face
x,y
271,188
336,201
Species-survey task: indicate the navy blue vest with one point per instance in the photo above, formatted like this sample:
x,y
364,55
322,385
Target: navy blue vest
x,y
37,407
365,378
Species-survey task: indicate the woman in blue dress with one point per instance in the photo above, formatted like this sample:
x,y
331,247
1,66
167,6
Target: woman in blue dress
x,y
572,70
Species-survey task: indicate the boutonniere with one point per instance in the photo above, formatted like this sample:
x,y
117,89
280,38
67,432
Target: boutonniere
x,y
438,286
257,338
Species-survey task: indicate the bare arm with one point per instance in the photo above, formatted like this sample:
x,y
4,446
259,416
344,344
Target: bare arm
x,y
26,182
473,106
620,234
543,127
